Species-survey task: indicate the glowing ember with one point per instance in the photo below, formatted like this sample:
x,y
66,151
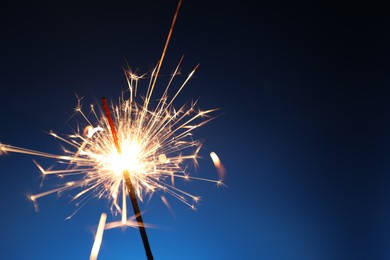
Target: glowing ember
x,y
218,165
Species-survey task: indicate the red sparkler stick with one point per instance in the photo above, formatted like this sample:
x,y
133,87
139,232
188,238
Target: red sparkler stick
x,y
130,187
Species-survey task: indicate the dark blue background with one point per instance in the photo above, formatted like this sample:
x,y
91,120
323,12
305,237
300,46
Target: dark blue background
x,y
303,131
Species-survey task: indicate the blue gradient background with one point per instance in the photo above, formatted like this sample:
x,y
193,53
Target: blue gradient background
x,y
303,131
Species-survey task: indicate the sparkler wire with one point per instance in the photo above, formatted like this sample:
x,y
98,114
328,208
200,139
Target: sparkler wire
x,y
130,187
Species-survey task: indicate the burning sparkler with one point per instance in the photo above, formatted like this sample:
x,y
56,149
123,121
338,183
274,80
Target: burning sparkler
x,y
155,144
131,147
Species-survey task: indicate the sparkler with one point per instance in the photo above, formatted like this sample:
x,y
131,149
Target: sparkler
x,y
129,184
129,148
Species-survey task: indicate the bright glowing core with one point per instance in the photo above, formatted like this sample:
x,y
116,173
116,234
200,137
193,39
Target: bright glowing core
x,y
129,159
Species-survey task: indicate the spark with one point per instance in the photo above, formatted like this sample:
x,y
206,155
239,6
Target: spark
x,y
165,201
98,237
219,166
156,146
